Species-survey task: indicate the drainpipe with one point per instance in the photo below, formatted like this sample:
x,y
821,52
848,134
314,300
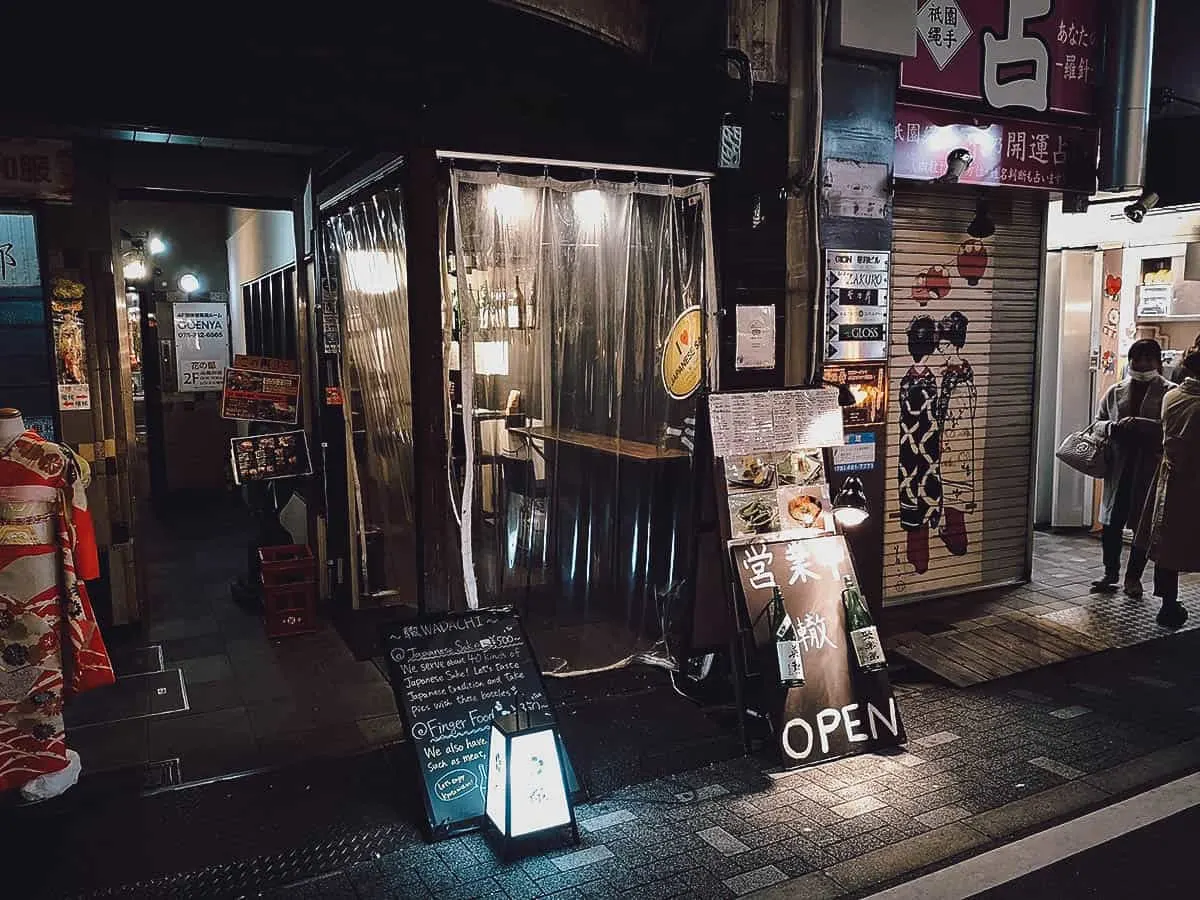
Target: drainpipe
x,y
804,321
1129,59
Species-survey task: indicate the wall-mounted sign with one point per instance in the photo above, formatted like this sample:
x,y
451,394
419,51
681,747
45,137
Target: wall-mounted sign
x,y
1034,55
70,347
856,190
856,304
36,169
331,328
260,394
201,346
452,675
868,384
856,455
844,704
18,251
682,359
752,422
755,342
265,457
1006,151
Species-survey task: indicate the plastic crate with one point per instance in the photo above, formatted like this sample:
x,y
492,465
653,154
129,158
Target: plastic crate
x,y
289,589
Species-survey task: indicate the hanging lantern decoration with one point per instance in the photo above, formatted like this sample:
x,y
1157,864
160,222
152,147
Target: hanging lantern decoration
x,y
1112,285
932,284
972,261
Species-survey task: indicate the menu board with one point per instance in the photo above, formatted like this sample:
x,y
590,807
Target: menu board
x,y
752,422
840,710
264,457
261,394
453,674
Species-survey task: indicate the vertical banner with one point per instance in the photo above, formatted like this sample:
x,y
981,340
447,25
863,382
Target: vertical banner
x,y
201,346
70,347
857,286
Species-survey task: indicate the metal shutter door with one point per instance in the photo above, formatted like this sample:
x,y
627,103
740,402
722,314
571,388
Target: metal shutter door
x,y
977,534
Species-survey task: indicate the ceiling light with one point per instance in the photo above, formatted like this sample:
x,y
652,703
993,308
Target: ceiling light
x,y
157,246
189,283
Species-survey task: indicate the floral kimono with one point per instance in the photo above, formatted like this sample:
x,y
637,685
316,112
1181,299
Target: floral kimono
x,y
50,645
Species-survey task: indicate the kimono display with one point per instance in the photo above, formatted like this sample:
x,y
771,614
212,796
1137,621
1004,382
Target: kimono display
x,y
50,644
919,462
957,403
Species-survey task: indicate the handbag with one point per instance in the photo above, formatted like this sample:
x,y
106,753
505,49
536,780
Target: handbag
x,y
1087,452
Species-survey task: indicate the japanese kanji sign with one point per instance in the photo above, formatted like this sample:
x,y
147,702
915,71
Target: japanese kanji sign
x,y
840,710
1012,55
201,346
35,169
1006,151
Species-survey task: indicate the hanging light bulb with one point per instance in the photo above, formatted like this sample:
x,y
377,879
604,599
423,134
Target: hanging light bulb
x,y
133,262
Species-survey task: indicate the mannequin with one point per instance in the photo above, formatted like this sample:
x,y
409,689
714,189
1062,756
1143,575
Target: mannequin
x,y
47,550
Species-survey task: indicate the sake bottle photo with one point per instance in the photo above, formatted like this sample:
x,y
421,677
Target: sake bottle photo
x,y
787,647
864,636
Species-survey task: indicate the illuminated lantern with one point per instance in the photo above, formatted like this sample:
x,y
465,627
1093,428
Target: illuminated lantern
x,y
527,796
972,261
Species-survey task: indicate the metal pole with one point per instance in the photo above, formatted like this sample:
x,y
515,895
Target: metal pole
x,y
452,155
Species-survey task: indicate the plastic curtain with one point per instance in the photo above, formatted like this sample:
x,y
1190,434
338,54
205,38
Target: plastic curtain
x,y
564,295
372,264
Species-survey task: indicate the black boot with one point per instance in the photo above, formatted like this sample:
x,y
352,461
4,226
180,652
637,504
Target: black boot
x,y
1172,615
1107,584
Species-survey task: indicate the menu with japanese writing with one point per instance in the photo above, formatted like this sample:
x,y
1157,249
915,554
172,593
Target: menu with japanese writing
x,y
453,675
261,394
840,710
265,457
752,422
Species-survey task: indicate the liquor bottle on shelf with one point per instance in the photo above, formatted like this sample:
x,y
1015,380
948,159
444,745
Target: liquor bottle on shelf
x,y
787,648
517,310
868,649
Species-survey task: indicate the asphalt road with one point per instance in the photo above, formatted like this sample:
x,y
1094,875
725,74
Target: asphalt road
x,y
1161,856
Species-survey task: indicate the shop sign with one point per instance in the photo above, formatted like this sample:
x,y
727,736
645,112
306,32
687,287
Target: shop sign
x,y
856,455
1035,55
260,394
453,675
70,347
201,346
40,170
1006,152
18,251
266,457
840,710
856,304
682,359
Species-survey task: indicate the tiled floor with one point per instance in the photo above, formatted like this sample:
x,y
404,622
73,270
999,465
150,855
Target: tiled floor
x,y
252,702
1055,617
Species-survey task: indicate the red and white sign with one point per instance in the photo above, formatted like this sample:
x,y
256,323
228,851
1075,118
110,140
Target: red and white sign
x,y
1005,152
1035,55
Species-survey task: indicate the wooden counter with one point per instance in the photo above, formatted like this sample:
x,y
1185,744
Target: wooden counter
x,y
602,443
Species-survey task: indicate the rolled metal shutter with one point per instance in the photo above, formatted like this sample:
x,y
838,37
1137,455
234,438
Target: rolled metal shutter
x,y
960,421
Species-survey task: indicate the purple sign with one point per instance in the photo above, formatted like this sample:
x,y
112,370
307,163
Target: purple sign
x,y
1035,55
1005,152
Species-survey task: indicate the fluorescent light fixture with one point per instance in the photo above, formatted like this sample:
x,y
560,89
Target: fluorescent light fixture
x,y
189,283
373,271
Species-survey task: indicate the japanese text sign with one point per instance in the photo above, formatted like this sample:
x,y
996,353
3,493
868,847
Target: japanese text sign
x,y
36,169
840,709
1036,55
1005,151
201,346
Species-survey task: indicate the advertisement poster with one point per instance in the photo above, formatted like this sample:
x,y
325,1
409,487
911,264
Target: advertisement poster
x,y
264,457
70,348
201,346
857,284
261,395
755,339
868,384
840,709
856,455
682,361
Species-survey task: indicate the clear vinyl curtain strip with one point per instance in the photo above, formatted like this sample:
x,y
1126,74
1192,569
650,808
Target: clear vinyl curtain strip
x,y
566,293
369,240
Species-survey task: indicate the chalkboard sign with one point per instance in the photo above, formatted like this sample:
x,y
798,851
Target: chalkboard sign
x,y
453,674
841,709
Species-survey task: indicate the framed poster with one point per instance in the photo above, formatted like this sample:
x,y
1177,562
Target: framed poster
x,y
70,346
255,395
201,346
265,457
857,285
868,384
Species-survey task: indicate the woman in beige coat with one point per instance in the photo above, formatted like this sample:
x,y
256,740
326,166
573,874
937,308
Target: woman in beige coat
x,y
1167,531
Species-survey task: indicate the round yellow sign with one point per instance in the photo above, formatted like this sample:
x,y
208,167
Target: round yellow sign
x,y
682,359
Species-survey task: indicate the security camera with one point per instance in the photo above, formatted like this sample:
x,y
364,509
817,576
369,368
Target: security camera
x,y
957,163
1137,210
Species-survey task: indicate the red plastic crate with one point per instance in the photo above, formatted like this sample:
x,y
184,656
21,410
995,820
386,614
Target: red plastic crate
x,y
286,564
289,589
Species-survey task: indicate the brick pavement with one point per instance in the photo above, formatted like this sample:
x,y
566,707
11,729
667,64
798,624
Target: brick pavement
x,y
983,764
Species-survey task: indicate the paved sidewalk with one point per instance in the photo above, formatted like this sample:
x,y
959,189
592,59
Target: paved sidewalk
x,y
983,765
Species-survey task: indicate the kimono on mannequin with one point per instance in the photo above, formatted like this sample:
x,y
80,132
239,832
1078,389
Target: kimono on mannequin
x,y
47,548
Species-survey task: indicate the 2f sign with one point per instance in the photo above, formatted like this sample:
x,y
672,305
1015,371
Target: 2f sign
x,y
1016,66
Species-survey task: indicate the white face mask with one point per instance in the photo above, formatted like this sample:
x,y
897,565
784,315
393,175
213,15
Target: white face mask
x,y
1143,376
